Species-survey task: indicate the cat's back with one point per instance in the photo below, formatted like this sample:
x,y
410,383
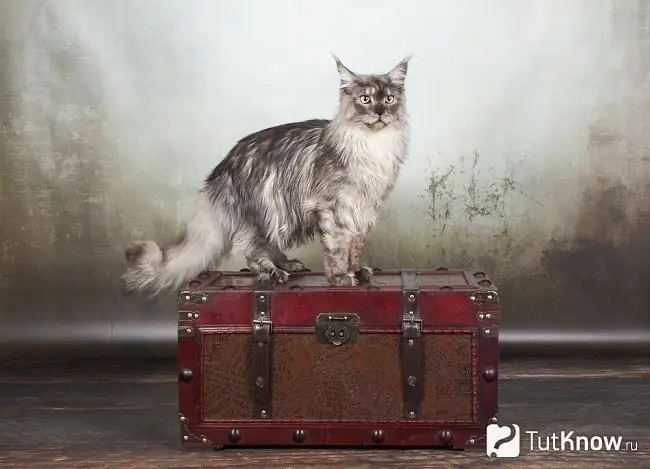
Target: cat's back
x,y
301,133
273,146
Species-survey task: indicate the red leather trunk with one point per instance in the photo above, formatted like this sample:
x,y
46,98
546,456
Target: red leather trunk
x,y
408,360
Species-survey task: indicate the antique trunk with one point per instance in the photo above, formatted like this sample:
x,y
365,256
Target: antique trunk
x,y
408,359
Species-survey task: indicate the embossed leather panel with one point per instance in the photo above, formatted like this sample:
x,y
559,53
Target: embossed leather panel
x,y
355,382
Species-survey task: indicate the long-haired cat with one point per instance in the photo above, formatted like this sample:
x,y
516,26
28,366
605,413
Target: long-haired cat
x,y
280,187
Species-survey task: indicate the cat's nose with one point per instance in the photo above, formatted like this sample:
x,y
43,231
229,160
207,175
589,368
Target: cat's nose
x,y
379,109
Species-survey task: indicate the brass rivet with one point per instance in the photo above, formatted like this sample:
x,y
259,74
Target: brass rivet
x,y
188,330
446,436
234,435
490,374
183,419
488,316
471,441
411,298
493,420
487,331
263,413
204,440
196,315
204,298
262,313
185,437
189,315
378,436
410,341
411,313
489,297
186,376
262,298
187,297
412,415
472,298
481,316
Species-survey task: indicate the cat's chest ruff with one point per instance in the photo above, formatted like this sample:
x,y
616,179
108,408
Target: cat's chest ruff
x,y
374,158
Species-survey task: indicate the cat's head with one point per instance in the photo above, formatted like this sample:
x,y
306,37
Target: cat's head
x,y
375,101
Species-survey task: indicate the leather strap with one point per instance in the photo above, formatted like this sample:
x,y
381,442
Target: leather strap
x,y
412,357
261,369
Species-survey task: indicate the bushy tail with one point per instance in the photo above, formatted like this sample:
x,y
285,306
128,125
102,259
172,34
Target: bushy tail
x,y
152,269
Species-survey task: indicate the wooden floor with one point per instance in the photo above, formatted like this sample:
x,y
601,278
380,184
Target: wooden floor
x,y
118,416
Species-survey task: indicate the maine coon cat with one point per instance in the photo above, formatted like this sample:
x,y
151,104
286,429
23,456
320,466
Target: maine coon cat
x,y
281,187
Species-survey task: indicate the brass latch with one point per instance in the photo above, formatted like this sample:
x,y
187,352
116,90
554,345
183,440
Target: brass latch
x,y
337,328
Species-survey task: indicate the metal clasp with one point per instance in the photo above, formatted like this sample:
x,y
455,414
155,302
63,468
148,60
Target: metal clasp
x,y
337,328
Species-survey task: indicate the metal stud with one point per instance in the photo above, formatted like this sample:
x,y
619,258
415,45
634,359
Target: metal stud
x,y
262,298
234,435
411,298
183,419
196,315
189,315
188,330
263,413
378,436
490,374
493,420
187,297
472,298
481,316
412,415
412,381
487,331
446,436
186,375
410,341
471,441
299,436
259,382
204,440
488,315
186,438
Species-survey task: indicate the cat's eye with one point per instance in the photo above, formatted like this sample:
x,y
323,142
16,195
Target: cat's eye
x,y
389,99
364,98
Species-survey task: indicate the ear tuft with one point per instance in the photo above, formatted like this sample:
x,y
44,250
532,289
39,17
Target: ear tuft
x,y
398,74
347,76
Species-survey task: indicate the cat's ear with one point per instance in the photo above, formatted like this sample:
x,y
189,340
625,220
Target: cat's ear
x,y
398,73
347,76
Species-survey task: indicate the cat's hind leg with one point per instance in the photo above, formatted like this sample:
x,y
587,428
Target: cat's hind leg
x,y
292,265
268,262
260,262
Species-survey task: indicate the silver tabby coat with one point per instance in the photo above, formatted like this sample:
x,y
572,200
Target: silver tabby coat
x,y
280,187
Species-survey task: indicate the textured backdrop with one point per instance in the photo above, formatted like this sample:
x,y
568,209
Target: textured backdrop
x,y
530,154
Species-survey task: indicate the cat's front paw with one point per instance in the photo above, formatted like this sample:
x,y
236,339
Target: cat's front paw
x,y
343,280
364,274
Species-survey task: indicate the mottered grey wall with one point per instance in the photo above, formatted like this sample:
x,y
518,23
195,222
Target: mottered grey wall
x,y
530,154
